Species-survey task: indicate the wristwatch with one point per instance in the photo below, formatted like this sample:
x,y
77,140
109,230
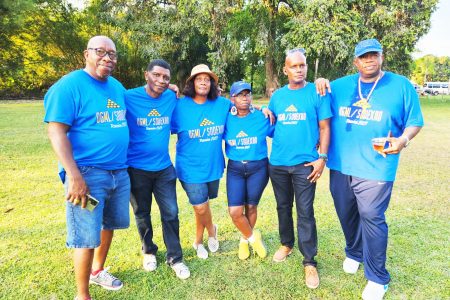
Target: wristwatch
x,y
323,156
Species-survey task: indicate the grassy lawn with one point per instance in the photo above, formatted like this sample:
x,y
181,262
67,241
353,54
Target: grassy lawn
x,y
35,264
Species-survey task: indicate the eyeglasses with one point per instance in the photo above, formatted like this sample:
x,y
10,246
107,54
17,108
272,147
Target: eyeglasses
x,y
242,96
292,51
102,53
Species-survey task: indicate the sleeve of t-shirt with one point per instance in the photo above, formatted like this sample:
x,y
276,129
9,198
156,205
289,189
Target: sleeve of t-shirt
x,y
174,126
60,103
324,107
413,113
271,105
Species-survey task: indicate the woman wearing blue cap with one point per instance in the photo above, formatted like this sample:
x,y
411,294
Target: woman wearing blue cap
x,y
247,174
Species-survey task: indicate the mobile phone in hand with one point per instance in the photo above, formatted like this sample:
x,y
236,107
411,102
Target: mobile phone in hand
x,y
91,202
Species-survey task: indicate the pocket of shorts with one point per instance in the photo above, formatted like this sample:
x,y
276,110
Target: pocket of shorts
x,y
84,169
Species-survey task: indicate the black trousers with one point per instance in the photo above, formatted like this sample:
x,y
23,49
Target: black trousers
x,y
162,184
289,182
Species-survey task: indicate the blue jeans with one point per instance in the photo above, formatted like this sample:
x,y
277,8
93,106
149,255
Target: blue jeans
x,y
360,205
246,181
162,184
287,182
112,190
200,193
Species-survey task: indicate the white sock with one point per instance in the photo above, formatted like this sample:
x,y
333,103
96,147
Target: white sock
x,y
251,239
244,240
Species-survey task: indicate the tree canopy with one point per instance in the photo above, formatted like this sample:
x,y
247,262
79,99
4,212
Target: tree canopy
x,y
41,40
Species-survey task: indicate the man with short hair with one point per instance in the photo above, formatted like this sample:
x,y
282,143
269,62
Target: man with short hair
x,y
149,114
85,112
369,104
295,163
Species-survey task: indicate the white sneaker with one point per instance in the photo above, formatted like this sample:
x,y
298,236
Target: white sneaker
x,y
213,242
201,251
374,291
149,263
181,270
350,266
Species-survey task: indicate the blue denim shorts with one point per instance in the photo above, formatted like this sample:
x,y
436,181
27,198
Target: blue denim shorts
x,y
246,181
112,190
199,193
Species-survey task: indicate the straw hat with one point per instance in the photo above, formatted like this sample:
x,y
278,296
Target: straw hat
x,y
202,68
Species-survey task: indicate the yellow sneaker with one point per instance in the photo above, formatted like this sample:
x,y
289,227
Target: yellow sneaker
x,y
258,244
244,251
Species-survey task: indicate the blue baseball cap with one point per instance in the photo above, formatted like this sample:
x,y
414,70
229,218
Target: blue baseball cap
x,y
370,45
239,86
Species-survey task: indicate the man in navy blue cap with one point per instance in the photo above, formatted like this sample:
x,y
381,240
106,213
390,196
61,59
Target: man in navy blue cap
x,y
369,107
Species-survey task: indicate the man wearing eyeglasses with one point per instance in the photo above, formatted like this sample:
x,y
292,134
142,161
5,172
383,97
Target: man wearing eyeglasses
x,y
87,127
295,163
149,114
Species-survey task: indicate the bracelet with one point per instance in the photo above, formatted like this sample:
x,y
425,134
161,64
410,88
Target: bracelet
x,y
323,156
263,106
406,139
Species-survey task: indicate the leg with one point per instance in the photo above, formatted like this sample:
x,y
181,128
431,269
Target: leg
x,y
166,197
101,252
240,220
82,259
347,211
142,186
284,195
236,192
256,183
251,212
373,200
306,222
203,219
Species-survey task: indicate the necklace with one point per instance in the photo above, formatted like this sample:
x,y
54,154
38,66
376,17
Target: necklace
x,y
364,102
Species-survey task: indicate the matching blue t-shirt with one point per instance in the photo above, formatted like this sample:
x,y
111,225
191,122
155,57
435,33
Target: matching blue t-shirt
x,y
296,134
200,128
95,111
394,106
245,137
149,123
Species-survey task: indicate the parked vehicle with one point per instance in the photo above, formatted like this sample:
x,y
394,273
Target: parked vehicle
x,y
436,88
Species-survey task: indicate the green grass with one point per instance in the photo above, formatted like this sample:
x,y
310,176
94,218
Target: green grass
x,y
34,263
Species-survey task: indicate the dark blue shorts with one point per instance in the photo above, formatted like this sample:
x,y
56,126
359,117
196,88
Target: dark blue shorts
x,y
246,181
199,193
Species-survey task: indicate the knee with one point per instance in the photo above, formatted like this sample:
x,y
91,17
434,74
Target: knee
x,y
170,214
252,209
202,209
370,214
235,214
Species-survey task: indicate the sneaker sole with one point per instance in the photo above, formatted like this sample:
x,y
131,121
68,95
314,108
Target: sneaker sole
x,y
109,288
313,286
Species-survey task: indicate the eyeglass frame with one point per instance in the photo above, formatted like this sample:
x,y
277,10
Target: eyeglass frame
x,y
109,53
241,96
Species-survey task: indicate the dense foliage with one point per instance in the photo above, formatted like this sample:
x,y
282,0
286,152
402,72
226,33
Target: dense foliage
x,y
42,40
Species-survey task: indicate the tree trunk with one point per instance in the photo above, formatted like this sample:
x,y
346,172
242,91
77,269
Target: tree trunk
x,y
271,78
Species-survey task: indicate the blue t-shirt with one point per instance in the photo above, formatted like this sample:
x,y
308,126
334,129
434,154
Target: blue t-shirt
x,y
394,105
296,135
95,111
245,137
200,128
149,123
